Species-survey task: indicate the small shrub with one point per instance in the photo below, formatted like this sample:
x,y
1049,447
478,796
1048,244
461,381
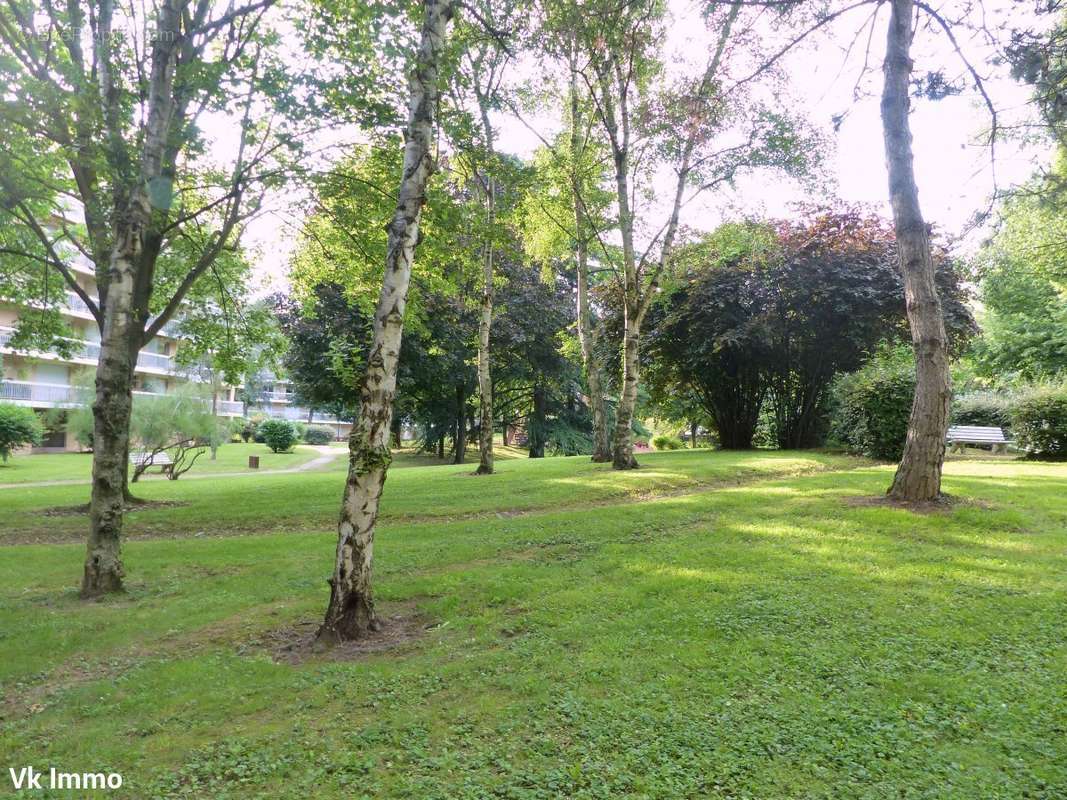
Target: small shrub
x,y
278,434
664,442
255,422
872,407
990,409
1039,422
19,427
318,434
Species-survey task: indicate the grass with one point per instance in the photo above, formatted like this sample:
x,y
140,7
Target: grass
x,y
262,503
231,458
78,466
713,625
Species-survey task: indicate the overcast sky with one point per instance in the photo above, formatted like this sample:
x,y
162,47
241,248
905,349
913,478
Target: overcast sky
x,y
952,165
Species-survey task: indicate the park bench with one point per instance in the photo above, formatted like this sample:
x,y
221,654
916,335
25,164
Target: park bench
x,y
960,435
145,460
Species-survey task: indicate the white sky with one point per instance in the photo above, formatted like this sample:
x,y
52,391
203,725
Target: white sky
x,y
953,168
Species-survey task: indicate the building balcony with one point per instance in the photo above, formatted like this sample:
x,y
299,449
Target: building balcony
x,y
48,395
77,306
39,394
83,352
231,408
295,413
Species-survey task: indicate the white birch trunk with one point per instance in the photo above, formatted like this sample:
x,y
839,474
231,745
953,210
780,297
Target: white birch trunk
x,y
485,324
350,613
587,333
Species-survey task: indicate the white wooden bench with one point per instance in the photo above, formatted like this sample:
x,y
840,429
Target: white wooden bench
x,y
960,435
145,460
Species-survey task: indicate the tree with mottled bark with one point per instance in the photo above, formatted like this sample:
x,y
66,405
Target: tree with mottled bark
x,y
478,83
104,99
588,329
683,125
918,477
565,210
350,613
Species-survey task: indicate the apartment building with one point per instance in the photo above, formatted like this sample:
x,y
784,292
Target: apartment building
x,y
47,380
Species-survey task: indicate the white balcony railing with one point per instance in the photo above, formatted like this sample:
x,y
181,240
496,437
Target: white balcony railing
x,y
77,305
27,391
154,361
301,414
90,351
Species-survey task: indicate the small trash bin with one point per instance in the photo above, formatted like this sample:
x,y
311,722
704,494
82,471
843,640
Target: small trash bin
x,y
253,462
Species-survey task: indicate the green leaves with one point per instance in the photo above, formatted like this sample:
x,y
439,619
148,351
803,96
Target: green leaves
x,y
19,427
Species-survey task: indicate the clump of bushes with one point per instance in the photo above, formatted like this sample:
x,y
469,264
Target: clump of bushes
x,y
991,409
19,427
872,407
278,434
251,430
1039,422
664,442
318,434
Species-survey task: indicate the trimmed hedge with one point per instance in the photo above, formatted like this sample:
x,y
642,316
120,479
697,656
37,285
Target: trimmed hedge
x,y
872,408
991,409
1039,422
664,442
319,434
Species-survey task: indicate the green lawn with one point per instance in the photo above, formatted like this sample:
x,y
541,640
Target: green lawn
x,y
78,466
712,625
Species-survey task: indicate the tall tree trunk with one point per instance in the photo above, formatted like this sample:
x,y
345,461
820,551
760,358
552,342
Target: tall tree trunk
x,y
594,370
350,613
587,331
623,452
693,435
124,308
485,382
538,421
616,120
459,438
103,571
918,477
395,428
214,422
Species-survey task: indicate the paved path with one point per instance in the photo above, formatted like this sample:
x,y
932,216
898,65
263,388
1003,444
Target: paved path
x,y
326,455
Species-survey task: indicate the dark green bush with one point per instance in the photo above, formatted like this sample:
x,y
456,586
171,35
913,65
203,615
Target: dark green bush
x,y
19,427
319,434
278,434
992,409
1039,422
872,407
664,442
252,429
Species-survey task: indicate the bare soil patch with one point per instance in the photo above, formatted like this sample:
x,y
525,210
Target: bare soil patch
x,y
942,505
295,644
136,505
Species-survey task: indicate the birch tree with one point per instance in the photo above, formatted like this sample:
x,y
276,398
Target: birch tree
x,y
578,141
106,101
350,613
705,129
479,77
